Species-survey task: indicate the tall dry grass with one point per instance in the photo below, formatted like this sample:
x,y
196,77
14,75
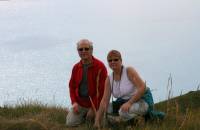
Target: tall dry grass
x,y
182,113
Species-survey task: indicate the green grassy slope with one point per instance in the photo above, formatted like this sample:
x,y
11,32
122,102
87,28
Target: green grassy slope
x,y
182,112
190,100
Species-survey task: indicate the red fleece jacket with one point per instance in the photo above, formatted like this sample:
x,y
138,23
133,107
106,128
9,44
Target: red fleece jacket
x,y
96,75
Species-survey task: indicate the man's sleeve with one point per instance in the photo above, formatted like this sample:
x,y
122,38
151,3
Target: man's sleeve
x,y
72,87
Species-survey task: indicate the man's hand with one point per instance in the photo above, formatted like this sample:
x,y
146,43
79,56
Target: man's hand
x,y
90,114
75,108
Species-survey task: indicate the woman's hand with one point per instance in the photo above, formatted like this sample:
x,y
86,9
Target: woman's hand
x,y
100,113
103,105
97,123
126,106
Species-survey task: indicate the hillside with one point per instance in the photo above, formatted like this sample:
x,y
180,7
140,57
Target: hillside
x,y
189,101
182,112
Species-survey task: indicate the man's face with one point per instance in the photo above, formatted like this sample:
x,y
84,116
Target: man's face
x,y
84,51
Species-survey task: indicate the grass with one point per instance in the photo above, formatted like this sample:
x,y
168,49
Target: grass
x,y
32,117
182,113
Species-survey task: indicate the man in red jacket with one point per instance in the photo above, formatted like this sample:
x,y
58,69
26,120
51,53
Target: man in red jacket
x,y
86,85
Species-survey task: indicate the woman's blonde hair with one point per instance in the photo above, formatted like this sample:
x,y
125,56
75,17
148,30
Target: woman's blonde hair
x,y
114,53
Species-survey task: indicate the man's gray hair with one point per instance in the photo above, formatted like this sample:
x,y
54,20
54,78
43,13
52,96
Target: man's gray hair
x,y
85,41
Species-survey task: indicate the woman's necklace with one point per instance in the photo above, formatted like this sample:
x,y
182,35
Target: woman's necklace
x,y
118,81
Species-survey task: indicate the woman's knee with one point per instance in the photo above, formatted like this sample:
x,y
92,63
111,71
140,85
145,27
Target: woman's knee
x,y
139,107
127,115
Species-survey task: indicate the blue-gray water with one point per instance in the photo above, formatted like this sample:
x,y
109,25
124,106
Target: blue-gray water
x,y
38,44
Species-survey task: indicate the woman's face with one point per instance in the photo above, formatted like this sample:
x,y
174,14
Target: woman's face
x,y
114,62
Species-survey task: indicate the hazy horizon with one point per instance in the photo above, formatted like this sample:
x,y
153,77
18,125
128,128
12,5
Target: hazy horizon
x,y
38,44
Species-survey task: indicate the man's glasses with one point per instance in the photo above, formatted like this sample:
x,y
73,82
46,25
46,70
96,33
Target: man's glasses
x,y
85,49
115,60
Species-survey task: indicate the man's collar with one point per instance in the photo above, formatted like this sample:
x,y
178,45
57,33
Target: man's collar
x,y
80,64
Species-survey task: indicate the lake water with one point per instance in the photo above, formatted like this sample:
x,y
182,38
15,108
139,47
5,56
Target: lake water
x,y
38,44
